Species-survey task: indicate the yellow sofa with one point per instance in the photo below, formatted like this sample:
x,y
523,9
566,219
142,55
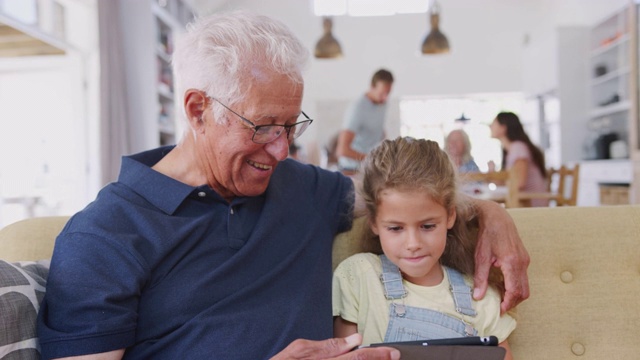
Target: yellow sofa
x,y
584,277
30,239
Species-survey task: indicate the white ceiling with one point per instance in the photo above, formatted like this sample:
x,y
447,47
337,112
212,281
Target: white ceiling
x,y
206,6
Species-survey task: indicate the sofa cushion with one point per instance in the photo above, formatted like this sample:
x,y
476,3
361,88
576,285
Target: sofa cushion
x,y
22,287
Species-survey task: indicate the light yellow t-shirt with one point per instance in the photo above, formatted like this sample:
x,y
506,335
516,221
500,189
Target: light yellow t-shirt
x,y
358,297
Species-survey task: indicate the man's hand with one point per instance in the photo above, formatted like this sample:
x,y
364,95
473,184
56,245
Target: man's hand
x,y
338,349
499,245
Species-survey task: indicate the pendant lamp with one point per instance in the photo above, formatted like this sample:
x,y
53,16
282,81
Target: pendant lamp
x,y
435,42
462,119
328,47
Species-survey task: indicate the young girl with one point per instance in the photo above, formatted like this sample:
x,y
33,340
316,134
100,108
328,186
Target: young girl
x,y
416,282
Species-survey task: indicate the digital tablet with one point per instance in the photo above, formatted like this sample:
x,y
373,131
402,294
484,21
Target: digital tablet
x,y
450,352
462,348
467,340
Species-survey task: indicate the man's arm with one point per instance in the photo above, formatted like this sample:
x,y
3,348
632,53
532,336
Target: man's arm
x,y
111,355
500,245
344,146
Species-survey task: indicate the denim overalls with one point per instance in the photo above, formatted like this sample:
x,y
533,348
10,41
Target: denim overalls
x,y
407,323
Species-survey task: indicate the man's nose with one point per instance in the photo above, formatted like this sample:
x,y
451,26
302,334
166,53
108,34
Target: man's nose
x,y
279,148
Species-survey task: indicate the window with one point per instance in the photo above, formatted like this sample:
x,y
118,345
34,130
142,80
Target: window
x,y
434,117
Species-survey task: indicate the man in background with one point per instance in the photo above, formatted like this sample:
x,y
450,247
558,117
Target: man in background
x,y
363,125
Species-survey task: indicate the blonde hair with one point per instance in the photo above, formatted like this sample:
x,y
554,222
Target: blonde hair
x,y
417,164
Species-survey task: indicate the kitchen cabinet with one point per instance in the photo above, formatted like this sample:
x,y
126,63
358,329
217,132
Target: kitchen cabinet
x,y
611,95
594,174
612,107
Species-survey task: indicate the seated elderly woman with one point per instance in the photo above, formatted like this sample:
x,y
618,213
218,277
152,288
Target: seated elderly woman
x,y
458,146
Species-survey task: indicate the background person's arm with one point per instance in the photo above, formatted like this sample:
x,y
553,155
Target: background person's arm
x,y
110,355
344,146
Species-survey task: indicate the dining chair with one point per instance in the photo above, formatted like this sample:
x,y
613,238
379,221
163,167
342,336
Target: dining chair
x,y
562,188
566,188
504,179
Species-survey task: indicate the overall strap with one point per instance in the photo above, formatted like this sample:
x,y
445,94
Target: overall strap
x,y
391,280
461,292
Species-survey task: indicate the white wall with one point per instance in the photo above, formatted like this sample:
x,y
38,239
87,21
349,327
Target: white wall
x,y
486,53
48,115
540,57
497,46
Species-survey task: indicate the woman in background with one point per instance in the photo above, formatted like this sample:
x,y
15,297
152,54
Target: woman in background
x,y
520,154
458,147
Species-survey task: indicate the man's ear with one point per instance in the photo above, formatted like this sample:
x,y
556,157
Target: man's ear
x,y
195,104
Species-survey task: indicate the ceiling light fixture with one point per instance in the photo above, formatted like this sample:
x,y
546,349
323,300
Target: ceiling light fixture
x,y
462,119
328,47
435,42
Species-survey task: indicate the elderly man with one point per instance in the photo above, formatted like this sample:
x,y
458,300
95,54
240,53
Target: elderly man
x,y
220,247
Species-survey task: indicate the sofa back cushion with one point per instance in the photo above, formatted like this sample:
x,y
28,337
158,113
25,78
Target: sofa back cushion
x,y
585,280
30,239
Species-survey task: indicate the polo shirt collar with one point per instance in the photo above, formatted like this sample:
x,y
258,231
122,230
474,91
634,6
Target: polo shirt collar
x,y
160,190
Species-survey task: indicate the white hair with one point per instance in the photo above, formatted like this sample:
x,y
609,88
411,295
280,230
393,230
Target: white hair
x,y
217,53
466,156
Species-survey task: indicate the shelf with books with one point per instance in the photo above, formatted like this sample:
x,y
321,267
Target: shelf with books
x,y
169,18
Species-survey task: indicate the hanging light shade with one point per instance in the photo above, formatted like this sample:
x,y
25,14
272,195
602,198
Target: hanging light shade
x,y
328,47
435,42
462,119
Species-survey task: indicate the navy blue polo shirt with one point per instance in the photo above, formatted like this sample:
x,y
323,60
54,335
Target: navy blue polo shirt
x,y
172,271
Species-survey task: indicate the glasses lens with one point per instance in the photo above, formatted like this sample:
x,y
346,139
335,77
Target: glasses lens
x,y
267,133
299,128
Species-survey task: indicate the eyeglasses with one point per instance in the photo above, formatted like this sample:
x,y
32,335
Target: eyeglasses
x,y
263,134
